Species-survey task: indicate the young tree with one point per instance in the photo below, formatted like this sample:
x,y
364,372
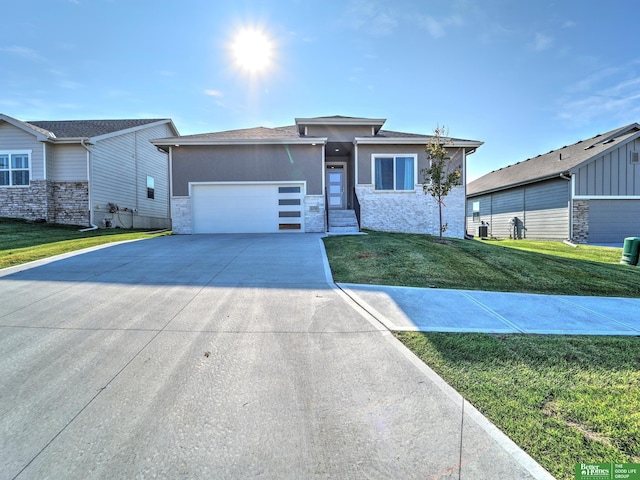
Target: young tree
x,y
442,175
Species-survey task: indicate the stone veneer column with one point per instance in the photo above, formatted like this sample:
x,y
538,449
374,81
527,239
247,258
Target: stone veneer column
x,y
580,215
181,215
314,214
69,203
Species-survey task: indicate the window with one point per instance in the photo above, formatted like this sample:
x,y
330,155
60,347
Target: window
x,y
14,169
288,189
476,211
394,172
151,191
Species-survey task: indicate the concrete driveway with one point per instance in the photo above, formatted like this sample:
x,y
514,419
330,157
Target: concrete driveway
x,y
223,356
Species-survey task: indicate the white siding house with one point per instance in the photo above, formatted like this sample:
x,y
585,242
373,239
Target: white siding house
x,y
104,173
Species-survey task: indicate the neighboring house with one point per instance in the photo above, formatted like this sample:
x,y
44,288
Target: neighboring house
x,y
588,192
282,179
85,172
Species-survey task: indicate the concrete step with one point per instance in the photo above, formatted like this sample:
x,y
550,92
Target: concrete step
x,y
343,221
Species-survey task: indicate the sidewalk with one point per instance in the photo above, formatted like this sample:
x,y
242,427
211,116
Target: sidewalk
x,y
441,310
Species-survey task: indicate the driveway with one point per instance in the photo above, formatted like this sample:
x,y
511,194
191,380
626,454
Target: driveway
x,y
225,356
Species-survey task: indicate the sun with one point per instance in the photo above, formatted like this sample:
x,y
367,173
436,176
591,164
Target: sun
x,y
252,50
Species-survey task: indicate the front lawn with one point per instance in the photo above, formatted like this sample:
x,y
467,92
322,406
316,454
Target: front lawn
x,y
563,399
504,266
22,241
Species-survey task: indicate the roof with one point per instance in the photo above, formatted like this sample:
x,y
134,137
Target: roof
x,y
554,163
294,134
88,128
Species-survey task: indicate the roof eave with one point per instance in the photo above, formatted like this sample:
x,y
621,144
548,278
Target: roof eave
x,y
518,184
413,141
134,129
180,141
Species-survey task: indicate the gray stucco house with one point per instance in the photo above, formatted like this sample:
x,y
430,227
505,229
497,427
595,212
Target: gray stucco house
x,y
588,192
85,172
289,178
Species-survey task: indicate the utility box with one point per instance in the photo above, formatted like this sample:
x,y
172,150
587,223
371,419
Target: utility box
x,y
630,251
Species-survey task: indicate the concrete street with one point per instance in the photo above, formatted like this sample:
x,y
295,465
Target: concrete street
x,y
226,356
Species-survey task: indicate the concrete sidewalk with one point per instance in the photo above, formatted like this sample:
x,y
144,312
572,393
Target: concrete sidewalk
x,y
440,310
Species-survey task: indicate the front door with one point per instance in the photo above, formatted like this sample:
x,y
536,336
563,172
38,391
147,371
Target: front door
x,y
335,187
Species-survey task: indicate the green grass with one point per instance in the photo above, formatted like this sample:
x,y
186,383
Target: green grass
x,y
563,399
22,241
505,266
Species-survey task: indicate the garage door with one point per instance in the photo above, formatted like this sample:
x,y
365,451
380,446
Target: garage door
x,y
610,221
247,208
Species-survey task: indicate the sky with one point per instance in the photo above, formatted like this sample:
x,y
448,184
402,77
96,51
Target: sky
x,y
524,77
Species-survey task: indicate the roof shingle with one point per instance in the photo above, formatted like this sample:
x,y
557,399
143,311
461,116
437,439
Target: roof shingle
x,y
87,128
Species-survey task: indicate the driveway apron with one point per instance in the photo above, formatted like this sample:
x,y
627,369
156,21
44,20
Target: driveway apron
x,y
220,356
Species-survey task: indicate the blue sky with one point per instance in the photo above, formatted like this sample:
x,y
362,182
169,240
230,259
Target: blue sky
x,y
525,77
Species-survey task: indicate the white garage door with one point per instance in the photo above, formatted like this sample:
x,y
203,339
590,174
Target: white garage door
x,y
247,208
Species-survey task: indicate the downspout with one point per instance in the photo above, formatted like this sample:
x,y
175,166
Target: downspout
x,y
570,179
464,185
92,227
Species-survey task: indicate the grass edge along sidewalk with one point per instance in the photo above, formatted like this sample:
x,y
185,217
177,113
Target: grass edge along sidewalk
x,y
22,241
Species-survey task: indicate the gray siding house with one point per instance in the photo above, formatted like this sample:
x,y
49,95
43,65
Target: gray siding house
x,y
293,178
85,172
588,192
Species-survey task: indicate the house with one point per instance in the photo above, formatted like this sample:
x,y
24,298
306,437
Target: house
x,y
85,172
308,177
588,192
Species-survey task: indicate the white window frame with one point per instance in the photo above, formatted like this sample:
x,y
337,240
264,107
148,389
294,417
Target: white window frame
x,y
11,169
394,156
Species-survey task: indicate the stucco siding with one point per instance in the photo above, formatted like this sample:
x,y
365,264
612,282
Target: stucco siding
x,y
341,133
13,138
67,163
611,174
247,163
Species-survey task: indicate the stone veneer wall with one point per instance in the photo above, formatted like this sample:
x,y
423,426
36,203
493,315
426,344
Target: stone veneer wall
x,y
580,221
69,203
411,212
31,203
314,214
181,215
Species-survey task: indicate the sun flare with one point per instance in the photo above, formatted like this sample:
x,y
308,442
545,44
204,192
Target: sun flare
x,y
252,50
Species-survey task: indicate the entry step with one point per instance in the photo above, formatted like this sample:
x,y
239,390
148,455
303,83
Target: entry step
x,y
343,221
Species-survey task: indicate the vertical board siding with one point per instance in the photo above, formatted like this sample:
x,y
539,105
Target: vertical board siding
x,y
13,138
67,163
611,174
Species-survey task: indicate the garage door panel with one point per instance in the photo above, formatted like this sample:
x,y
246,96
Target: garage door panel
x,y
611,221
242,208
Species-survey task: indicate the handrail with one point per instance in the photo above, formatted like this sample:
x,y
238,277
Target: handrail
x,y
356,205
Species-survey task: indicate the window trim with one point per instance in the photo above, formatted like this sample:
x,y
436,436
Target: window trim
x,y
28,153
374,156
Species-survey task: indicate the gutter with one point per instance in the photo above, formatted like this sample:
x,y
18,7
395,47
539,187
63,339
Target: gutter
x,y
93,226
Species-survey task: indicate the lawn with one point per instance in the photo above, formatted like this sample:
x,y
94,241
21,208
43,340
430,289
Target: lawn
x,y
563,399
22,241
504,266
